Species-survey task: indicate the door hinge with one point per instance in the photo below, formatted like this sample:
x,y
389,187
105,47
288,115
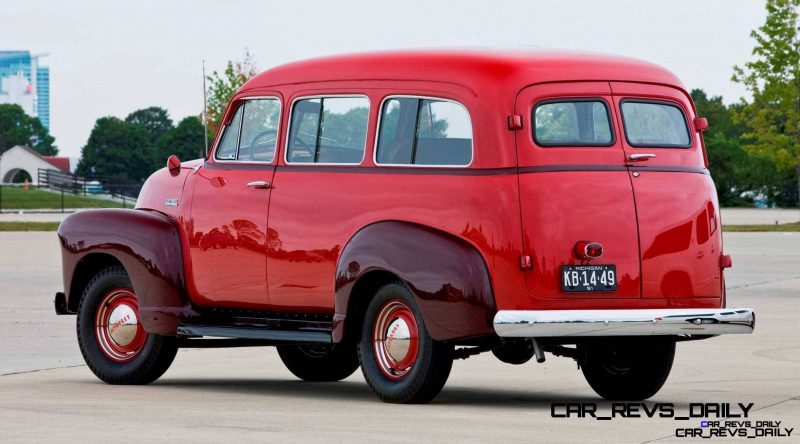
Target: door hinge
x,y
525,263
515,122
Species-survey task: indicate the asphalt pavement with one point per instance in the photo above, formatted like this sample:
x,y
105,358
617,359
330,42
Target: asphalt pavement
x,y
246,395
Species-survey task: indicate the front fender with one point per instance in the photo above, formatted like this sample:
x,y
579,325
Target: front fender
x,y
147,244
446,275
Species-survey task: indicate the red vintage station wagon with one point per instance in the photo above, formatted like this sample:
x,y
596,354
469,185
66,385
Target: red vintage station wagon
x,y
399,210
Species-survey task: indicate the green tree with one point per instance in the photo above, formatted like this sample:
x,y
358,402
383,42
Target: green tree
x,y
772,118
720,116
18,128
116,149
185,141
345,129
222,87
156,123
154,120
729,163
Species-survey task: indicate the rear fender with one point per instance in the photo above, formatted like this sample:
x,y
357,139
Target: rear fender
x,y
447,276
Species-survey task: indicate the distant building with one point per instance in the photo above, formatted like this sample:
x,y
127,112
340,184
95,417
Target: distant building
x,y
19,160
43,95
24,82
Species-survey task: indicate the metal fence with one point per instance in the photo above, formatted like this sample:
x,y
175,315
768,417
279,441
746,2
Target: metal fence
x,y
64,185
116,188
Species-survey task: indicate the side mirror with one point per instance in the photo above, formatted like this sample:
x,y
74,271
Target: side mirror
x,y
174,165
700,124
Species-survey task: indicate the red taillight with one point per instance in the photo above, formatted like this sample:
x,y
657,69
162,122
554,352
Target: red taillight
x,y
594,250
588,250
725,261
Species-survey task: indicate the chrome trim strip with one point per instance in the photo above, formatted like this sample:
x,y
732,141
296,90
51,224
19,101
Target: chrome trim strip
x,y
238,138
668,321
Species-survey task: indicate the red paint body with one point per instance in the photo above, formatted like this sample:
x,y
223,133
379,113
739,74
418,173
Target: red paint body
x,y
279,249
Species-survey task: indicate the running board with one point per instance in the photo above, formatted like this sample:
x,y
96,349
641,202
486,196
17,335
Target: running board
x,y
253,333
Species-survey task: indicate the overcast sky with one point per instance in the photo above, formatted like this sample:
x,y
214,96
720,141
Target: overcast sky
x,y
108,58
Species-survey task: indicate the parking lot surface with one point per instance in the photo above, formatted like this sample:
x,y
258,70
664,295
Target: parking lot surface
x,y
245,394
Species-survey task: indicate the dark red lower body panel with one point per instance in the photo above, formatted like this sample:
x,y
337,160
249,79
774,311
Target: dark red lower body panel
x,y
146,243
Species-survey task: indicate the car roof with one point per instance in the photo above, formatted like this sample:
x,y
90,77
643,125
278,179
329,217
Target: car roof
x,y
474,68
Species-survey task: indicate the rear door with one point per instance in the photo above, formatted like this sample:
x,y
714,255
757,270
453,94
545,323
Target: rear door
x,y
676,202
574,187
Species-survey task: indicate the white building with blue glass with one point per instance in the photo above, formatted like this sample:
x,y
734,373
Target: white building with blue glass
x,y
25,82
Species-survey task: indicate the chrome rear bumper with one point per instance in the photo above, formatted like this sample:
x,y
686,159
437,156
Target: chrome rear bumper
x,y
673,321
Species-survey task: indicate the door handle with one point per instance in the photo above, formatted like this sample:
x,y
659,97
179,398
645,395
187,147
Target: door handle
x,y
640,157
259,184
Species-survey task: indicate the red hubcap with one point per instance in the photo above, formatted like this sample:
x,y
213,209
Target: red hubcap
x,y
119,333
395,339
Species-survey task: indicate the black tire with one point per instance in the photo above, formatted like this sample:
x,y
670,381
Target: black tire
x,y
629,369
142,366
320,363
428,372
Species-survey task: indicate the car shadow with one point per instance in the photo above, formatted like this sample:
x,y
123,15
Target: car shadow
x,y
359,391
345,390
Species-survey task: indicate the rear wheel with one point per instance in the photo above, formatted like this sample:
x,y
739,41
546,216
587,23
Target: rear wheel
x,y
112,340
399,359
628,369
320,362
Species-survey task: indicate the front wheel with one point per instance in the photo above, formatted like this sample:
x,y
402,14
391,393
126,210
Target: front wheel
x,y
112,340
630,369
399,359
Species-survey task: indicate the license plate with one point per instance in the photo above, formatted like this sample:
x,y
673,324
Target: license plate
x,y
588,278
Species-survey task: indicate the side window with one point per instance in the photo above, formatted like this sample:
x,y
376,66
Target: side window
x,y
417,131
305,127
572,123
226,149
396,135
252,133
259,130
655,124
328,130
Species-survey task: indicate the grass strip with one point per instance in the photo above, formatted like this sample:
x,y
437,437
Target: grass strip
x,y
777,228
29,226
30,199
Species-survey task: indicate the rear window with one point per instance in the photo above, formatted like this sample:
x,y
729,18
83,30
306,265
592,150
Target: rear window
x,y
422,131
572,123
328,130
655,124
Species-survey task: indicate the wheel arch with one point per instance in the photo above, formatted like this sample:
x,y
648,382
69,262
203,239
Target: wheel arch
x,y
86,268
359,298
146,243
447,276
